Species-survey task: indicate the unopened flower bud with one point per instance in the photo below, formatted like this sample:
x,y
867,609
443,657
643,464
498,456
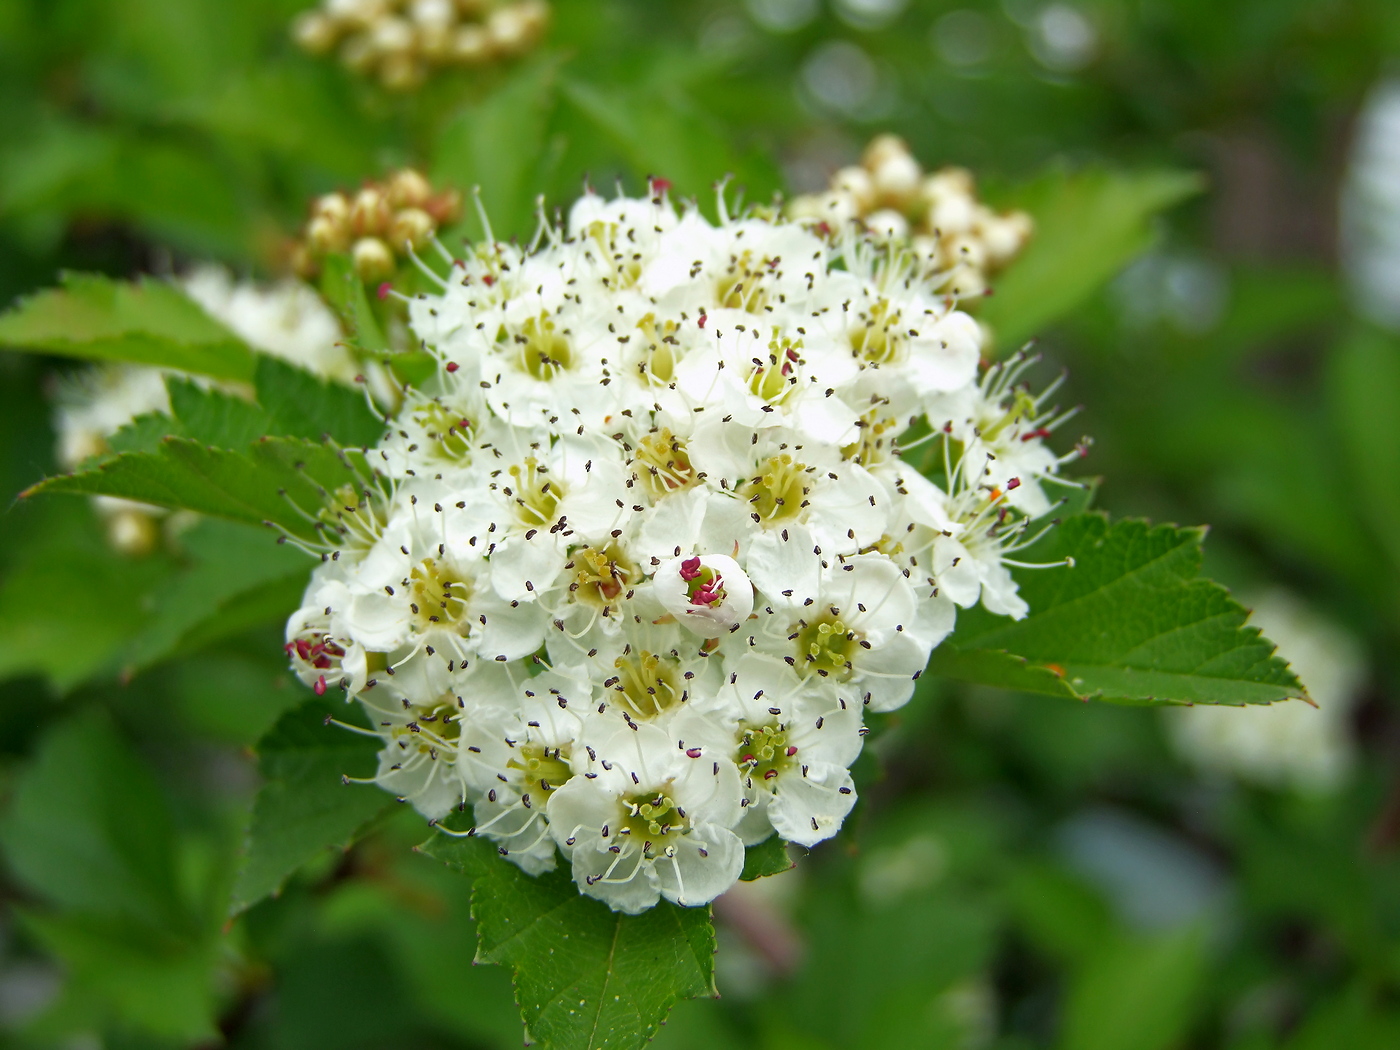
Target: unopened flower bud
x,y
513,29
967,250
373,259
407,188
370,213
835,208
325,236
314,32
444,207
334,206
133,531
952,215
471,45
1005,235
857,182
411,226
360,14
888,223
393,36
434,42
967,281
882,149
432,14
947,182
896,179
401,71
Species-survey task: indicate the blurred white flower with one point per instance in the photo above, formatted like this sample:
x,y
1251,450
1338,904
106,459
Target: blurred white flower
x,y
1289,743
1371,207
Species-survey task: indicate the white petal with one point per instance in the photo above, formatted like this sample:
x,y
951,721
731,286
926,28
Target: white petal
x,y
808,809
705,864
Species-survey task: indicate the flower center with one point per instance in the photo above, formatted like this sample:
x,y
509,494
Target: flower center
x,y
318,650
438,726
449,433
652,818
878,340
439,598
662,463
544,768
825,646
541,351
779,493
873,444
535,494
775,378
356,518
646,684
662,350
626,260
764,752
600,576
741,285
703,586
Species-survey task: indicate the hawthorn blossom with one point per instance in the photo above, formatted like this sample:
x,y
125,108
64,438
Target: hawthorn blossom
x,y
646,549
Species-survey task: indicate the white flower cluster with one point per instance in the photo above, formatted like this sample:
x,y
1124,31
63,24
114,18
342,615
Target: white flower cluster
x,y
642,555
286,320
890,194
400,41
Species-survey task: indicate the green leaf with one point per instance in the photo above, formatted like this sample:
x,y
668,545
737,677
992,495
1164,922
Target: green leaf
x,y
344,290
149,322
277,480
1136,993
291,403
1364,391
88,829
227,562
1129,622
166,989
211,417
68,604
769,857
144,433
586,977
1088,225
304,805
300,404
496,145
659,129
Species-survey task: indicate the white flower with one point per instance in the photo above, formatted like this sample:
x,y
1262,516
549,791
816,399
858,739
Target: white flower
x,y
287,320
860,630
708,593
649,820
515,751
99,401
793,747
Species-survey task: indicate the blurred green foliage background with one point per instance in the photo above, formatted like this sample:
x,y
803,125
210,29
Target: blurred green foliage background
x,y
1022,872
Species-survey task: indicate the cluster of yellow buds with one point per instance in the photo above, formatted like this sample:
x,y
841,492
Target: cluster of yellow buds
x,y
400,41
890,194
376,225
